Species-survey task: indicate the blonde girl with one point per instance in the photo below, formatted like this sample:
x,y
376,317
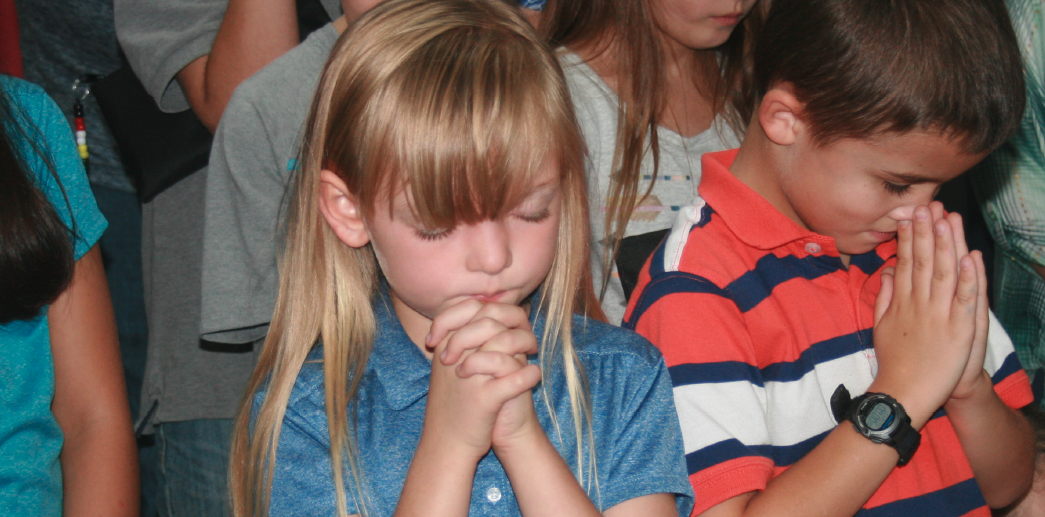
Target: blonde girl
x,y
433,349
656,84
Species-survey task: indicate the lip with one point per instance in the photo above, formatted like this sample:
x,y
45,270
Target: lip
x,y
490,298
728,19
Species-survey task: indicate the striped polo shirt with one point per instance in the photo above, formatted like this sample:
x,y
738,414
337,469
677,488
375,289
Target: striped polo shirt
x,y
759,322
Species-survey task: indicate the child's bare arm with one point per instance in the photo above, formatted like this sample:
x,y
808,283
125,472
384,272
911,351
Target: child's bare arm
x,y
464,399
998,441
99,462
542,482
253,33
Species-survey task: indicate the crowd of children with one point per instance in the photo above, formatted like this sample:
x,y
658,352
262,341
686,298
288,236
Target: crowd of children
x,y
574,257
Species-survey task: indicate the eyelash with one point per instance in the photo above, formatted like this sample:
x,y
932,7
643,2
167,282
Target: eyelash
x,y
897,189
434,235
536,218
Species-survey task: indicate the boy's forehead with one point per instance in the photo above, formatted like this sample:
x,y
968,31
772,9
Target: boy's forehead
x,y
916,156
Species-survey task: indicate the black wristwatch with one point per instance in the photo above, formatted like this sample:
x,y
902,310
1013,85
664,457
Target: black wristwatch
x,y
880,418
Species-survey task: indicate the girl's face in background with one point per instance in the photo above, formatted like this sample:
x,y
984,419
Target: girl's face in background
x,y
432,269
699,24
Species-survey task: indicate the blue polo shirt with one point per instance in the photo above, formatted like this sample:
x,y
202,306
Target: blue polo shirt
x,y
638,444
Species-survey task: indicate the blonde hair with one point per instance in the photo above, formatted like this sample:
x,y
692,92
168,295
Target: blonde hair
x,y
460,103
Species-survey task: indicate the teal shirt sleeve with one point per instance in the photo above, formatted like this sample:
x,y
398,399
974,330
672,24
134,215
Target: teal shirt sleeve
x,y
55,137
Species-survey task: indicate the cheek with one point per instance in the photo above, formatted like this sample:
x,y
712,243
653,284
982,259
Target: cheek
x,y
537,248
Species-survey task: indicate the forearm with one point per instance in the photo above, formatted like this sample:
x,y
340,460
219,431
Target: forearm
x,y
253,33
99,460
100,469
835,479
998,441
542,482
439,482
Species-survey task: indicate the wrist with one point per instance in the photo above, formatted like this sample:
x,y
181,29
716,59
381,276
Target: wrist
x,y
982,386
524,442
918,406
449,448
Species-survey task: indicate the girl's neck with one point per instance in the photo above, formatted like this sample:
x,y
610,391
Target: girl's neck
x,y
688,87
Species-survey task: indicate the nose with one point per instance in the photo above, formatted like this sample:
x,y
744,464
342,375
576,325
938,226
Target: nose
x,y
489,249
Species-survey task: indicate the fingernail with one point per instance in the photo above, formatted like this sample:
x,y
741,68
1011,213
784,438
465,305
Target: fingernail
x,y
428,338
904,224
939,228
442,355
921,213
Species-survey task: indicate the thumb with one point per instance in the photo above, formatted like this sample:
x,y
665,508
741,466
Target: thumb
x,y
885,295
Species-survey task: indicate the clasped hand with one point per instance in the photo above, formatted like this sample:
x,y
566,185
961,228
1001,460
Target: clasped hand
x,y
931,316
480,386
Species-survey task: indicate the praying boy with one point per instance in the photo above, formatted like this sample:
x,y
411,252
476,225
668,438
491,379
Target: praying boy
x,y
823,321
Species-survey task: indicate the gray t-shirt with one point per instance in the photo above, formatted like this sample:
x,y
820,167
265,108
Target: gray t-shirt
x,y
160,37
62,40
677,178
251,163
185,378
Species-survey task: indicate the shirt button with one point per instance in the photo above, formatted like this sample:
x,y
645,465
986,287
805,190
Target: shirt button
x,y
493,494
812,247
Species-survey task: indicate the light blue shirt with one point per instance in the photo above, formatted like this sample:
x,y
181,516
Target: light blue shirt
x,y
30,439
638,444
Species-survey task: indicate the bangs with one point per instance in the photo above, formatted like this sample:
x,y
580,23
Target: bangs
x,y
465,125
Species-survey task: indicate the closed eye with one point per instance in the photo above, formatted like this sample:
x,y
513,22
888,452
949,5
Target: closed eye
x,y
432,235
897,188
537,217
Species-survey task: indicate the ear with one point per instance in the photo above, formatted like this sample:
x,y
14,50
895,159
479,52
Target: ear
x,y
341,211
779,114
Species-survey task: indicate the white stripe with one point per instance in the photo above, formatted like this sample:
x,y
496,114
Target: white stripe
x,y
711,413
781,413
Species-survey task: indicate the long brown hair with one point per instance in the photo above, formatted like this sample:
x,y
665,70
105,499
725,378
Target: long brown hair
x,y
629,26
459,102
36,247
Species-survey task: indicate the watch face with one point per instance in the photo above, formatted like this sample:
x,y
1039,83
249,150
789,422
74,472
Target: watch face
x,y
879,417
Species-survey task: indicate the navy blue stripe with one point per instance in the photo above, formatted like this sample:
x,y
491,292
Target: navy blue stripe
x,y
953,501
669,283
867,262
732,371
731,449
1009,367
826,350
709,373
751,288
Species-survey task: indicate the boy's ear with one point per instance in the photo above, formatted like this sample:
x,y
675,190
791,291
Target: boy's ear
x,y
340,210
779,114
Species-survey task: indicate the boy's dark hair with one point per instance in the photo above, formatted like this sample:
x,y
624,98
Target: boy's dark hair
x,y
866,67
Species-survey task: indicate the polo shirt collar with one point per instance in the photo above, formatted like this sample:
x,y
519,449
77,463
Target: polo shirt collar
x,y
755,221
402,371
